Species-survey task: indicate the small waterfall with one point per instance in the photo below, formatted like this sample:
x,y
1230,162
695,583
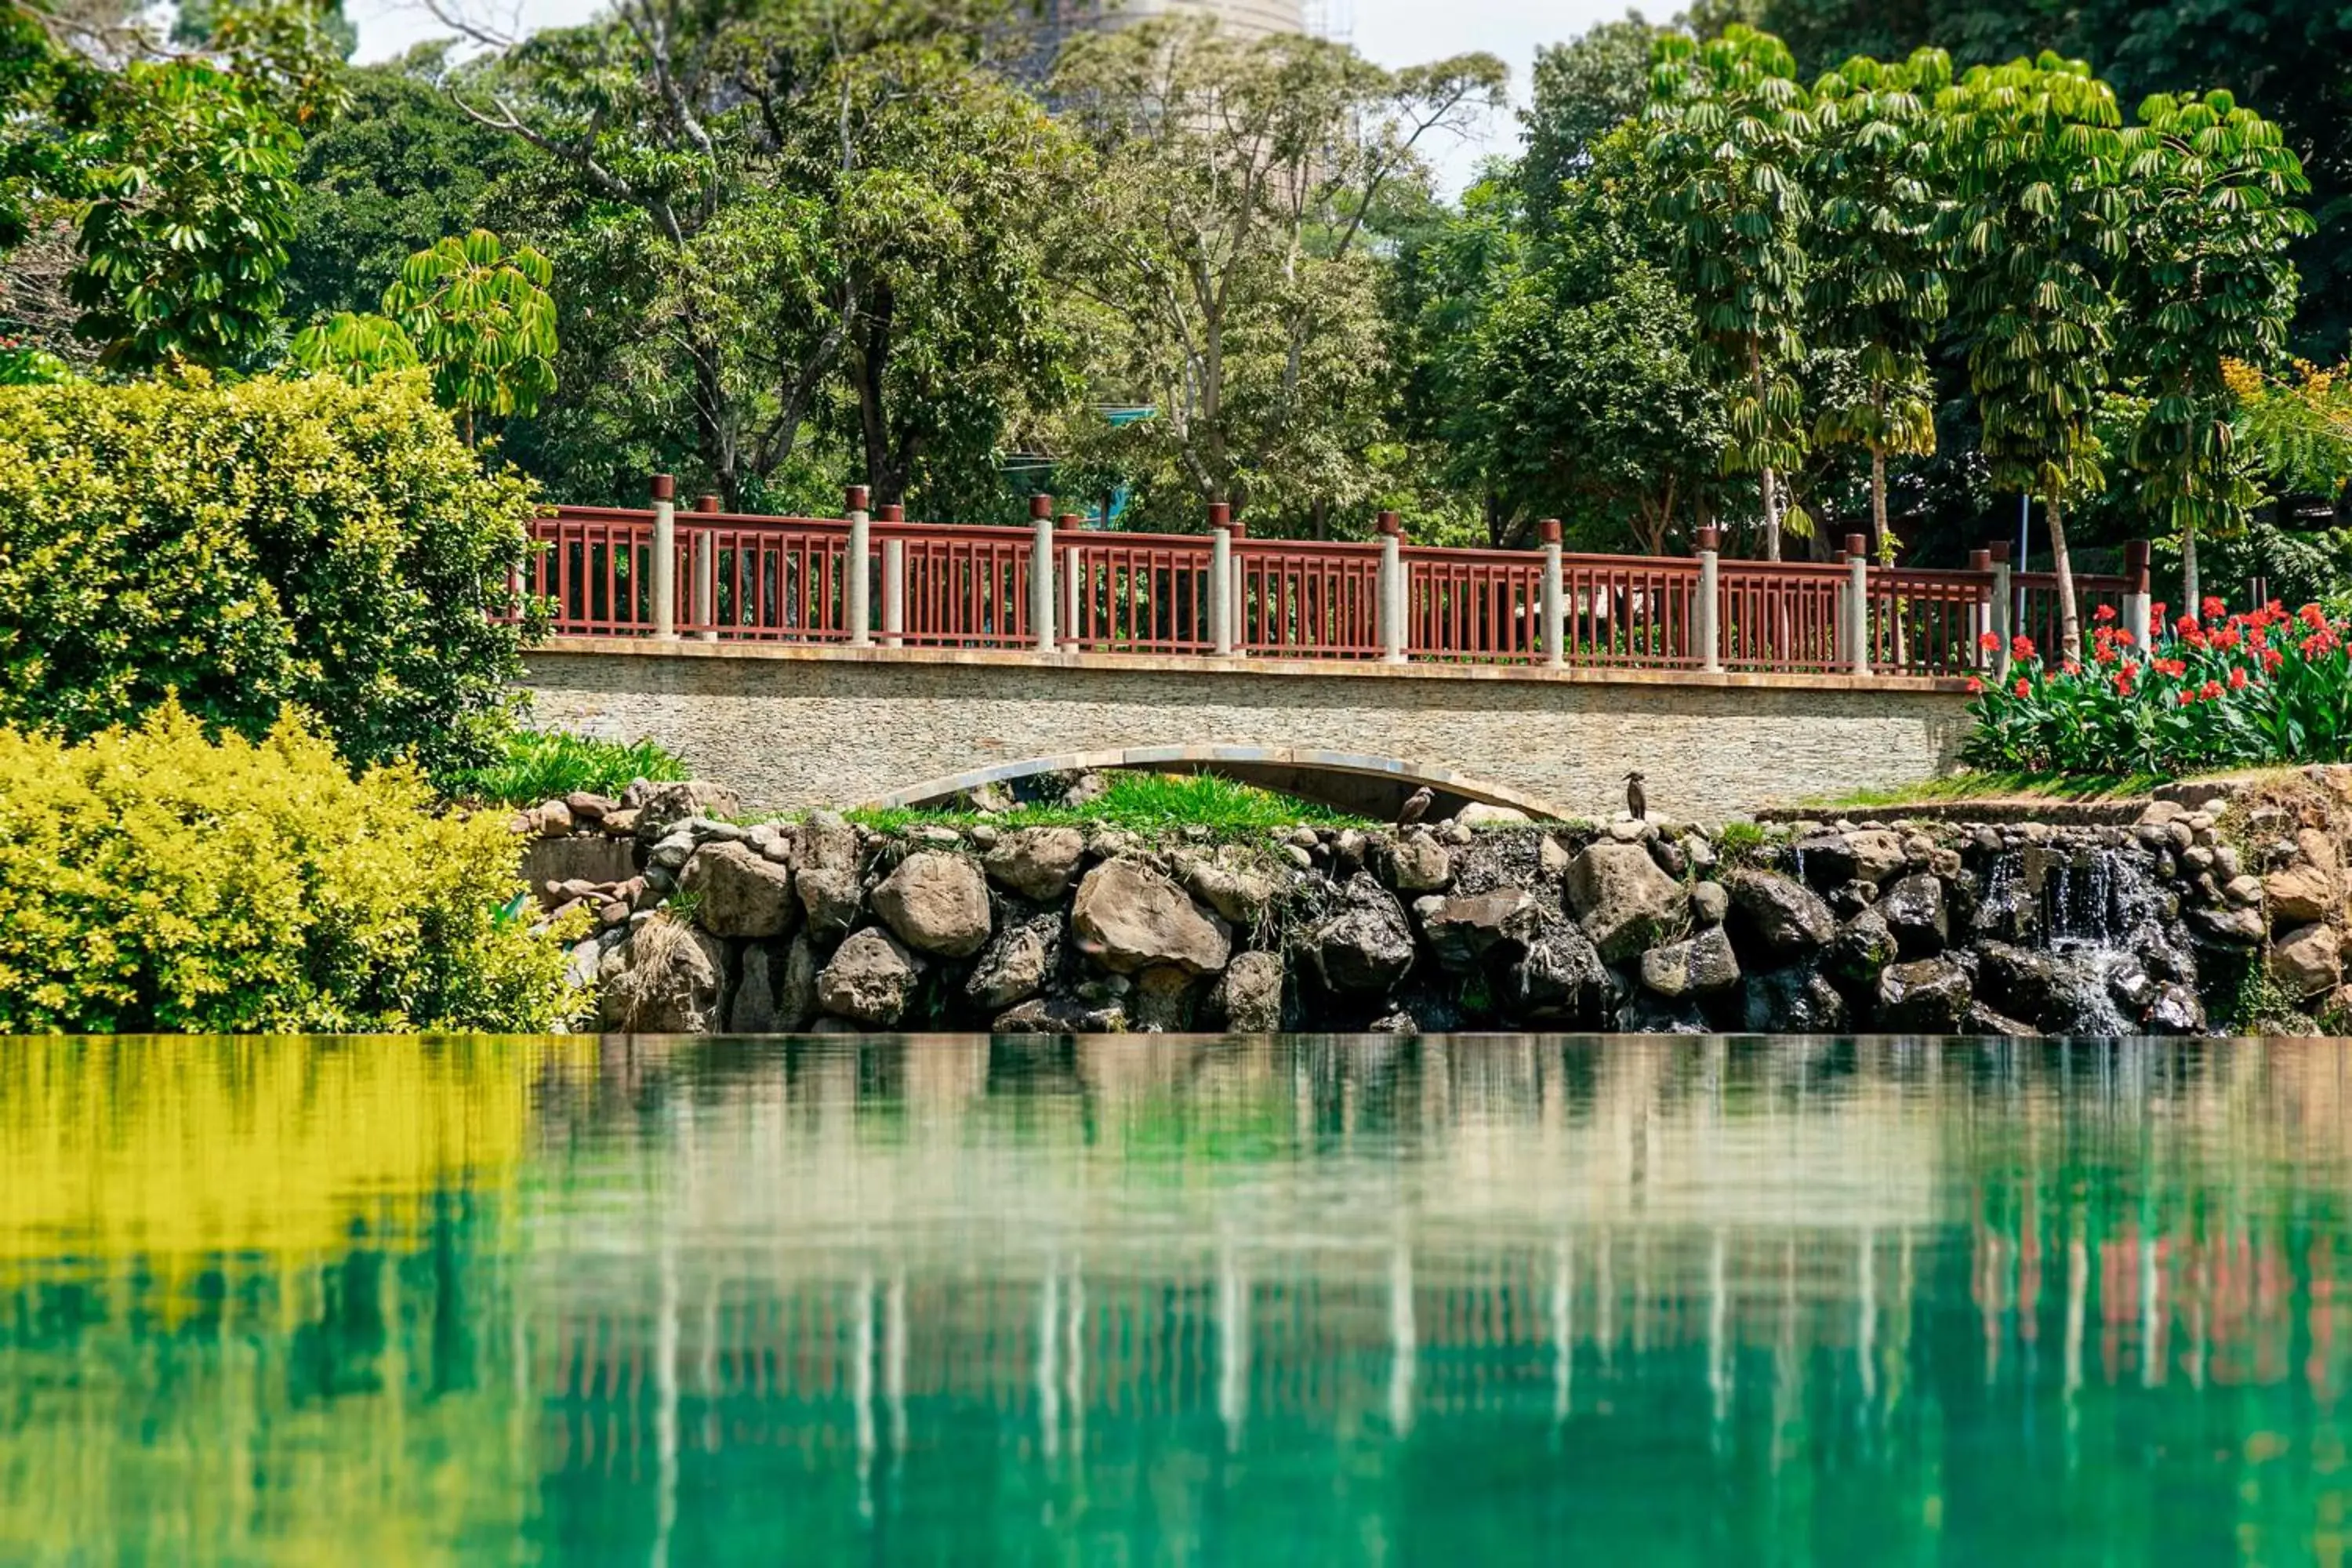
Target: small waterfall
x,y
2099,912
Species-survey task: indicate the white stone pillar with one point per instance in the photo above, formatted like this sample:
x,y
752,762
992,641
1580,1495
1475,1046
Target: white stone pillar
x,y
1555,598
1390,602
706,575
894,592
663,565
2002,611
1221,599
856,601
2138,608
1706,621
1857,604
1041,572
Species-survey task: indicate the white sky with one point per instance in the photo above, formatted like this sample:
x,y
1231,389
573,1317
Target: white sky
x,y
1393,32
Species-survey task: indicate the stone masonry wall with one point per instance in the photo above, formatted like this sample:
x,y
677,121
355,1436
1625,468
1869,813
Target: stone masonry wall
x,y
800,727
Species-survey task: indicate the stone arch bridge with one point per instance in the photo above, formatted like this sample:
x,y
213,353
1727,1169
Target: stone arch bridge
x,y
796,725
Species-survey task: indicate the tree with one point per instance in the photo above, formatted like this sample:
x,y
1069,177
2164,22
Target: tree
x,y
2207,282
1731,129
1582,91
1225,246
2032,152
1877,286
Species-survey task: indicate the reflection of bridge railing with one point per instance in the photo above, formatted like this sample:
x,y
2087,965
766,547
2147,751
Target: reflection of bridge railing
x,y
867,580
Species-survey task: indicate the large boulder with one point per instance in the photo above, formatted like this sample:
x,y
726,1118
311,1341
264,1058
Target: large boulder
x,y
871,979
1364,947
826,838
1925,996
1779,912
1864,946
1226,882
1463,930
664,980
1556,975
1017,963
1062,1016
2307,962
1797,999
1624,900
1913,910
1420,864
937,903
738,892
1247,997
1701,966
777,993
2303,891
668,805
830,896
1128,917
1036,863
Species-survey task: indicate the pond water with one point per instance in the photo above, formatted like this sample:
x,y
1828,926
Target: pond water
x,y
1148,1301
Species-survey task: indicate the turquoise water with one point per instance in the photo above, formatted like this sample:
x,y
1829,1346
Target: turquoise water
x,y
1145,1301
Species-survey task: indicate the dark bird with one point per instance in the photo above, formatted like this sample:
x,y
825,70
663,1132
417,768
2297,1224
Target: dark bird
x,y
1637,805
1416,806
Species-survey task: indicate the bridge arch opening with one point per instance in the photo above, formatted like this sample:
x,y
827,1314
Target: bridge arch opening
x,y
1367,785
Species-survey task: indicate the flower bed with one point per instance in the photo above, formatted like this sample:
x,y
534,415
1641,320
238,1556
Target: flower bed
x,y
2218,690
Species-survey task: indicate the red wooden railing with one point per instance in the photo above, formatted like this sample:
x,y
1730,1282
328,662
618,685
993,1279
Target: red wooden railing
x,y
798,579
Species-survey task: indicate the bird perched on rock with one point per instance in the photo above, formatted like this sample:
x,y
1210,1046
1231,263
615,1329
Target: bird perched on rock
x,y
1637,804
1416,806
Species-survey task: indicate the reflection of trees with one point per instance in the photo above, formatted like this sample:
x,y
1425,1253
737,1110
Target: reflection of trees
x,y
724,1296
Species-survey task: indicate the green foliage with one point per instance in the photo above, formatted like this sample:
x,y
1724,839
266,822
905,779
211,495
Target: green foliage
x,y
247,547
1582,91
2207,282
2221,690
1731,132
153,879
1145,803
547,765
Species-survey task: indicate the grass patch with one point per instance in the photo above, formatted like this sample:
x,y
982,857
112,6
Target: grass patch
x,y
1998,786
1140,803
547,765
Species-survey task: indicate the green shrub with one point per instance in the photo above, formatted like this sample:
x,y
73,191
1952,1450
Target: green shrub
x,y
543,764
2219,690
153,879
246,547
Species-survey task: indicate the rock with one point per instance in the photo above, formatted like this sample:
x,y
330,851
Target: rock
x,y
671,854
991,799
1461,931
1794,1000
2299,894
1625,830
1163,1002
1247,997
1036,863
1303,859
1983,1020
1478,814
663,980
985,836
1863,947
1558,975
1551,857
741,893
668,805
1085,790
1699,852
2175,1011
1669,858
937,903
871,979
2307,962
826,838
1698,967
1624,901
1913,910
1365,947
1925,996
1709,903
2245,891
2229,927
1128,918
1227,885
554,819
830,897
588,808
1421,865
777,993
1016,965
582,963
1781,913
1062,1016
1397,1023
619,824
2162,813
612,914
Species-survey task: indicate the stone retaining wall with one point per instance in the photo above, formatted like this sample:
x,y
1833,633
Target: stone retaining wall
x,y
799,727
2185,921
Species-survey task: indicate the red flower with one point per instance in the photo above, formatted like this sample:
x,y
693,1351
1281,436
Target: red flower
x,y
2313,616
2214,608
2225,639
2171,667
2156,612
2209,690
2123,679
2123,635
2106,653
2238,678
2020,646
2073,667
1990,642
2273,659
2025,687
2104,613
2187,696
2185,626
1975,686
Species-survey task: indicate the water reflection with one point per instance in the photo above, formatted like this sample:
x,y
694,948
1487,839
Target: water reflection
x,y
1170,1300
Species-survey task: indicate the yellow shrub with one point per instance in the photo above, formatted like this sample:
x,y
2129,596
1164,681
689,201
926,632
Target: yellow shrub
x,y
155,879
